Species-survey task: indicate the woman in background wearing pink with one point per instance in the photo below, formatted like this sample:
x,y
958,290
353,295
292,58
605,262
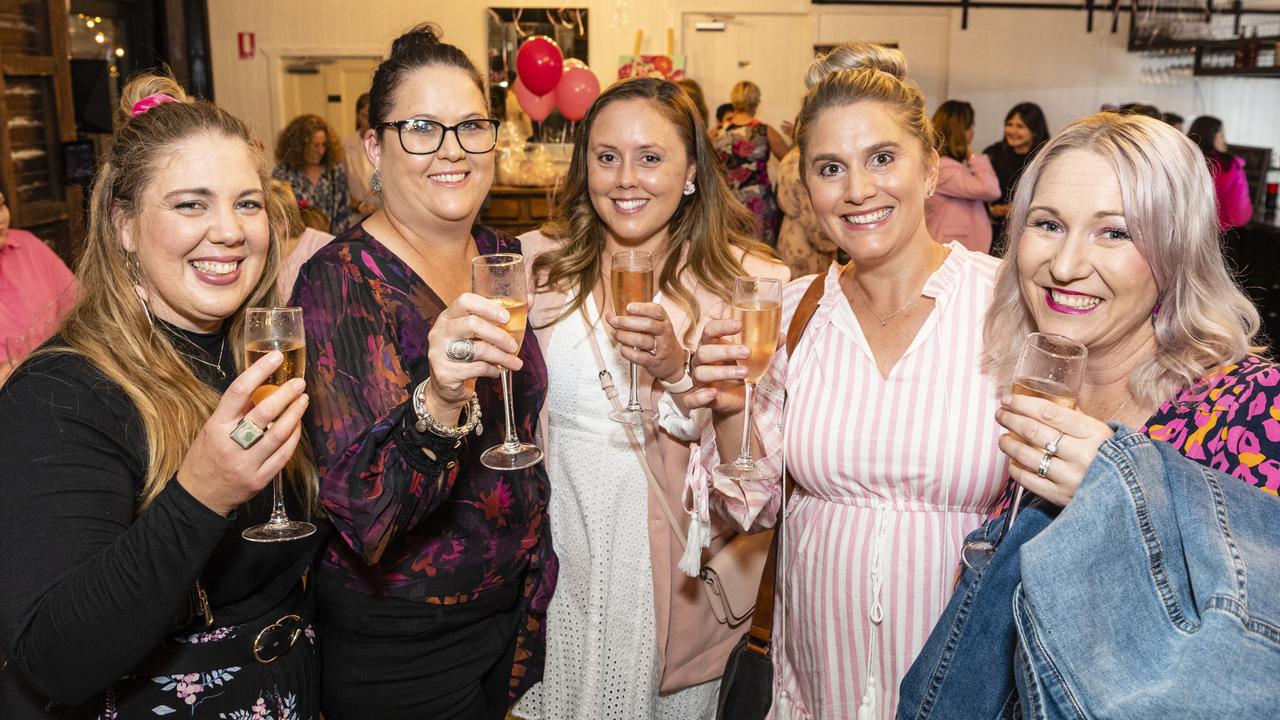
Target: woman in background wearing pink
x,y
36,290
966,180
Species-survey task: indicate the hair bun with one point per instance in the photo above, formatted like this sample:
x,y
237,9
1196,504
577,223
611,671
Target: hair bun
x,y
145,85
421,36
857,56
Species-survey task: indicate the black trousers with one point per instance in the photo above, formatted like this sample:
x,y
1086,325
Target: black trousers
x,y
393,659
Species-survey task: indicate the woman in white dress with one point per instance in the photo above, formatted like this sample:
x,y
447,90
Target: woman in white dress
x,y
629,635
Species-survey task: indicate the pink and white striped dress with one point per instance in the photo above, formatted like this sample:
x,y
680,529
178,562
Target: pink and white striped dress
x,y
890,475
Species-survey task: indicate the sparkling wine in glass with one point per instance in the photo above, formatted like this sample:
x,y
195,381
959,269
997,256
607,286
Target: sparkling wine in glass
x,y
265,330
757,303
1051,367
500,277
631,281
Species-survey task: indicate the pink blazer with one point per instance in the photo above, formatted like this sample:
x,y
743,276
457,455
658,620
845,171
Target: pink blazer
x,y
956,210
692,645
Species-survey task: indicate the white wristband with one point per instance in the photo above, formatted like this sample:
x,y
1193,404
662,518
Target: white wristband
x,y
683,385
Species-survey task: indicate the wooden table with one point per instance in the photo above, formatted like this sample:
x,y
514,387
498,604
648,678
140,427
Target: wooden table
x,y
516,209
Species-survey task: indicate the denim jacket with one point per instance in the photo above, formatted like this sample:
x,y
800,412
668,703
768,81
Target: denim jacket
x,y
1154,594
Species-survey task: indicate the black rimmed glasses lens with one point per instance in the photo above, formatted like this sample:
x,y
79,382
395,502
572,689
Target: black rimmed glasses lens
x,y
423,137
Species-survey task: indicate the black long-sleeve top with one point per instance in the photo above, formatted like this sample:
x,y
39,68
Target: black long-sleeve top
x,y
89,587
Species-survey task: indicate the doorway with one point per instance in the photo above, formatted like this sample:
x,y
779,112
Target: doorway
x,y
324,86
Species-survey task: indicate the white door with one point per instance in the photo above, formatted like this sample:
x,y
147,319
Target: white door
x,y
328,87
772,50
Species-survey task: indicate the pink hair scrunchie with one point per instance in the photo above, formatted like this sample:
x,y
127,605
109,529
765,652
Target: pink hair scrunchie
x,y
149,102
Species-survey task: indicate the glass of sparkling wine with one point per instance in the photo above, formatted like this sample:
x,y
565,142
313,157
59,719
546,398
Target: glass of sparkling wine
x,y
757,303
631,281
500,277
267,329
1050,367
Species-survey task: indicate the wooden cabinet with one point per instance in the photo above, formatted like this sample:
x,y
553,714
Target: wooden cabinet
x,y
35,84
516,210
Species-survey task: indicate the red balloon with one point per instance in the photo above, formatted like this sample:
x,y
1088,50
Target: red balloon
x,y
578,88
539,64
537,107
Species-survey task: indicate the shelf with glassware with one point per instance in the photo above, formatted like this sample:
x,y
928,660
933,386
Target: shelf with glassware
x,y
37,119
1251,56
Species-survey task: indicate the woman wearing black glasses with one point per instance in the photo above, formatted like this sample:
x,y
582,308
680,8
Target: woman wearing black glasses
x,y
434,589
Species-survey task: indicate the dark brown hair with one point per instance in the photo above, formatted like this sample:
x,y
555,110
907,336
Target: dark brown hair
x,y
417,48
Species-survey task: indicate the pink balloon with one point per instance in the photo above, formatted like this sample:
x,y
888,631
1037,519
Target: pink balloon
x,y
573,62
578,88
537,107
539,64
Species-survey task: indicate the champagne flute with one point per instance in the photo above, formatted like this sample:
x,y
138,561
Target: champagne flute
x,y
631,281
265,330
757,303
1050,367
500,277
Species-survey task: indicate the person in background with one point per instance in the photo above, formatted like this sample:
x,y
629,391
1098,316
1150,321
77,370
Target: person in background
x,y
1230,186
363,199
1172,119
1138,108
1025,130
134,456
300,241
629,634
802,243
36,292
722,111
745,145
309,158
433,592
889,431
691,86
956,210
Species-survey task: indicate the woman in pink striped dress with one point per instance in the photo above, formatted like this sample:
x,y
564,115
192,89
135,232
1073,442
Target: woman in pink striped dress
x,y
889,429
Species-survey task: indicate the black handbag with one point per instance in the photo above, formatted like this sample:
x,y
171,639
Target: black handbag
x,y
746,690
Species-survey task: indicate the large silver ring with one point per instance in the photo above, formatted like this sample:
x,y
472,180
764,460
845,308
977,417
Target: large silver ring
x,y
461,350
246,433
1043,470
1052,448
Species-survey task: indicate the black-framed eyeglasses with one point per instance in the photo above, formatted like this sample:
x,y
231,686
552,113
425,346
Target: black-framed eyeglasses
x,y
419,136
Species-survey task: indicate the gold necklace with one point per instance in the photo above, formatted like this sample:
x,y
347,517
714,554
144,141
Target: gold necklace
x,y
222,349
871,309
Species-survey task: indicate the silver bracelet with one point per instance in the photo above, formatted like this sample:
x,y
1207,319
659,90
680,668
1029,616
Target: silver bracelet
x,y
426,423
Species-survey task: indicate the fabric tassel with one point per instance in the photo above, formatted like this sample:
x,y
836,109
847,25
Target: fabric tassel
x,y
868,710
699,537
782,706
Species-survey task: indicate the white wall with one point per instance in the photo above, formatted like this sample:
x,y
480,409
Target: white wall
x,y
1005,57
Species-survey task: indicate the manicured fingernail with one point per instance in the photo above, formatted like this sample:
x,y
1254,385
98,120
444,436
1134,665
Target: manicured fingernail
x,y
305,398
740,372
276,356
1006,399
743,352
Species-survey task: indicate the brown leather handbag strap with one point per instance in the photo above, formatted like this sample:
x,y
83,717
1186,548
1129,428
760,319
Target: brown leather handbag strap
x,y
761,633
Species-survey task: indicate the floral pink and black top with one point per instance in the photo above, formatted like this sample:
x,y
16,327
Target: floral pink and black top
x,y
1229,421
407,528
744,150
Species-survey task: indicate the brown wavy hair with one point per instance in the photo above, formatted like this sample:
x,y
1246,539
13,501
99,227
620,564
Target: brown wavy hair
x,y
952,120
110,327
291,146
707,237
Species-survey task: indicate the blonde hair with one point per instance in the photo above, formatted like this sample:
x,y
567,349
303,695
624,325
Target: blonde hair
x,y
745,97
855,72
110,328
952,121
1204,318
283,192
706,237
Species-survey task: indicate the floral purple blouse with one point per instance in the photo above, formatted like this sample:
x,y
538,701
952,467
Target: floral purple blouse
x,y
744,150
439,540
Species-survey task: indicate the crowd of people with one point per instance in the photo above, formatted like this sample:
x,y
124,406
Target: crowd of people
x,y
139,439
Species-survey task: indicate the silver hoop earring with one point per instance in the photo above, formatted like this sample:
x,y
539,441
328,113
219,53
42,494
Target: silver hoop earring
x,y
689,187
375,183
